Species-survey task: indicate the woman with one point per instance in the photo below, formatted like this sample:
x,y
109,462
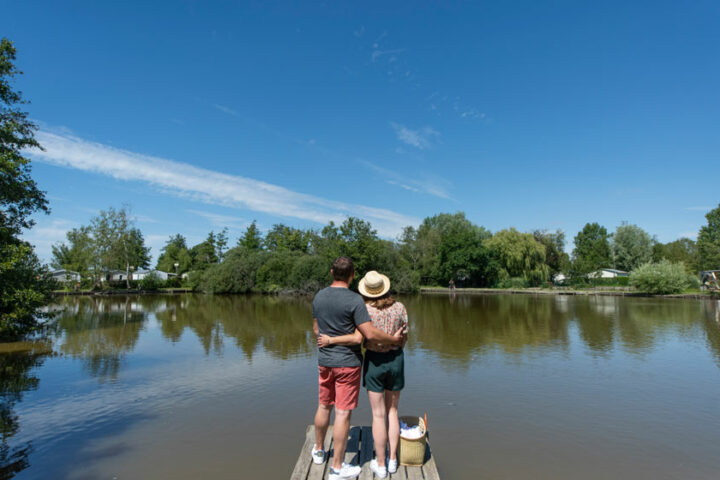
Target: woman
x,y
383,368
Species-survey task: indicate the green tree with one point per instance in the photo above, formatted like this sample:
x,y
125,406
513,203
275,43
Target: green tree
x,y
592,250
78,254
681,250
175,251
205,253
449,246
556,258
24,286
631,247
284,238
519,255
251,239
708,242
118,243
221,243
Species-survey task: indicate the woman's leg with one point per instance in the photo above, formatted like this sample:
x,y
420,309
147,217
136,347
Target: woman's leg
x,y
379,426
392,399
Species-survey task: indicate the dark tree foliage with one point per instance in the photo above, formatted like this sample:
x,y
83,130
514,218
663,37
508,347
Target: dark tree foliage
x,y
174,252
450,247
683,250
708,242
558,261
251,239
205,253
24,286
592,249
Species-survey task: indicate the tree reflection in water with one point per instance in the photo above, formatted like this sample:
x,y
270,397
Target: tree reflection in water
x,y
101,331
282,325
459,327
17,365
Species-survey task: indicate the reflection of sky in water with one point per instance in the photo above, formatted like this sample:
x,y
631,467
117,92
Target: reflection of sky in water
x,y
211,386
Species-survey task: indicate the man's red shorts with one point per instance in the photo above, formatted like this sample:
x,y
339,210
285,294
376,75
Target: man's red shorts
x,y
339,386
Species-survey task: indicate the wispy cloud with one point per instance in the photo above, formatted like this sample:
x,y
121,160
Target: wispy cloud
x,y
376,54
143,218
689,234
420,138
227,110
699,209
208,186
221,221
430,185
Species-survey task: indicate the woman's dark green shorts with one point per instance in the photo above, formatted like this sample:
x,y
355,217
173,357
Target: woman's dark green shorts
x,y
384,371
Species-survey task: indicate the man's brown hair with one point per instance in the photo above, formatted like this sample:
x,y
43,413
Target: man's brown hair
x,y
342,269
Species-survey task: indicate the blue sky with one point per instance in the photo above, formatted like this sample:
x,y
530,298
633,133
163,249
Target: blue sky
x,y
526,114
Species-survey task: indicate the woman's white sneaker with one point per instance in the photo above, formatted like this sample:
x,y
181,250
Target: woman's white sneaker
x,y
380,472
345,473
392,465
318,456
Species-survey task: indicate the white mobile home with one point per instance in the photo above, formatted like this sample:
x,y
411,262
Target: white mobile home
x,y
141,274
608,273
65,276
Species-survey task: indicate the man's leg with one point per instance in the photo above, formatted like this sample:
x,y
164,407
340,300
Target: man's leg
x,y
340,436
322,420
347,389
326,399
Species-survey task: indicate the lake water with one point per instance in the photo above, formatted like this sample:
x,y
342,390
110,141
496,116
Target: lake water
x,y
223,387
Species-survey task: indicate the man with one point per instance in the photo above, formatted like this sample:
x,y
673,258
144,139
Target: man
x,y
338,311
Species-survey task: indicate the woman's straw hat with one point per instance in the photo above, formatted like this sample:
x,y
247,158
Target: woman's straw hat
x,y
374,285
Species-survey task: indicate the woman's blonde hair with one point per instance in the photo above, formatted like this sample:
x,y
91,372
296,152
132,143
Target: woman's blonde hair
x,y
381,303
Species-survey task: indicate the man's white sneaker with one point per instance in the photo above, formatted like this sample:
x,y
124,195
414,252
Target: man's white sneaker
x,y
318,456
345,473
380,472
392,465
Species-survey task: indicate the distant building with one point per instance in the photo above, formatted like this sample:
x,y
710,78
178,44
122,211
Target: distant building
x,y
559,278
608,273
65,276
114,276
141,274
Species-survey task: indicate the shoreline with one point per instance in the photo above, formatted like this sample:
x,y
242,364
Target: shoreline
x,y
545,291
423,290
100,293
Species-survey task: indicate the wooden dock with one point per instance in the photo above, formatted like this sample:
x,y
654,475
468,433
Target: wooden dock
x,y
359,451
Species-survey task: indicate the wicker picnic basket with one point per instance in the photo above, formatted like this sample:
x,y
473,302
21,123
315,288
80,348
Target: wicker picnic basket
x,y
411,452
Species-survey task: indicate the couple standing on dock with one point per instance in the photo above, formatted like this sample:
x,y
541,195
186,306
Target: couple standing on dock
x,y
342,320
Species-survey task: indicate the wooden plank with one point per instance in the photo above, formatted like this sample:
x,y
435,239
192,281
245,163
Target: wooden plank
x,y
430,470
401,473
304,460
414,473
366,453
318,472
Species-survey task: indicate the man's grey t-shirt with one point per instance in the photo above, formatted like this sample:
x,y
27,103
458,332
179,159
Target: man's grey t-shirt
x,y
338,312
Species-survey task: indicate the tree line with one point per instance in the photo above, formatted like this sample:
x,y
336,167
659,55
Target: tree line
x,y
443,247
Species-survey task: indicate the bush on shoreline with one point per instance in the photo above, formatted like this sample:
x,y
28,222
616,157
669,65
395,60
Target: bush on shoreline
x,y
662,277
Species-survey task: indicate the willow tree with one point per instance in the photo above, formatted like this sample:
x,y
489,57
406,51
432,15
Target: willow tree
x,y
519,255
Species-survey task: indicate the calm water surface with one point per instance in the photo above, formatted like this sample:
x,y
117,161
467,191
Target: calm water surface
x,y
515,387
